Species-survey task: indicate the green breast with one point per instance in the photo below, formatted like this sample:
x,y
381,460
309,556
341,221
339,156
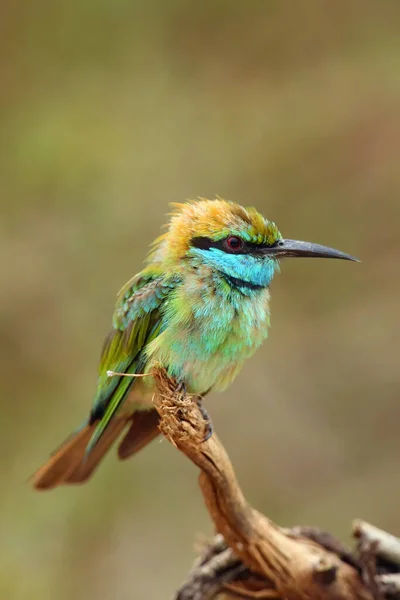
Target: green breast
x,y
209,331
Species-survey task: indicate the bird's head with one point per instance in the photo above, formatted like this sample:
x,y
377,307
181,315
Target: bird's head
x,y
237,242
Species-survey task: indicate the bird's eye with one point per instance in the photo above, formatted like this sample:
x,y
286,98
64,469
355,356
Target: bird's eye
x,y
234,243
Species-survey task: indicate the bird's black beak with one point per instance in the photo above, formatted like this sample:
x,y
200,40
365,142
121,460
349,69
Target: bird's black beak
x,y
284,248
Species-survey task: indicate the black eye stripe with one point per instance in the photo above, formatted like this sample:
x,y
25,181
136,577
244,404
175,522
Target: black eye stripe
x,y
206,243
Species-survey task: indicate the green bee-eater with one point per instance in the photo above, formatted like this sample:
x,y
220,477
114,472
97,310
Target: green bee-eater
x,y
199,308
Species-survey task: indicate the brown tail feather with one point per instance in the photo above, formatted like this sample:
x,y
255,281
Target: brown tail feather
x,y
86,468
67,464
143,429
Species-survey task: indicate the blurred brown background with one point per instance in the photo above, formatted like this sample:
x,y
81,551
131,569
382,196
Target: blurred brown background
x,y
112,109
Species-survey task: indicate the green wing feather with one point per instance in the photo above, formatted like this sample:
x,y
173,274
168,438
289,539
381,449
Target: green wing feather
x,y
137,321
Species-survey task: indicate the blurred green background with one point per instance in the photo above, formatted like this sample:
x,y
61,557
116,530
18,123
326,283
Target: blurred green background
x,y
109,111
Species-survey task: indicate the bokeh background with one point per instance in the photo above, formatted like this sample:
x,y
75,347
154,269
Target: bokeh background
x,y
111,109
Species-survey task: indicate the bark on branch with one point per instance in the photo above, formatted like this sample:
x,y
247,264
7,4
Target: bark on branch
x,y
252,557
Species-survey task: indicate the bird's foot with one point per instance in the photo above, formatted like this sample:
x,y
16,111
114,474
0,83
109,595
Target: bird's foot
x,y
181,388
209,429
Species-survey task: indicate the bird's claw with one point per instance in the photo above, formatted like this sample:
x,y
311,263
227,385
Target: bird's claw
x,y
181,388
209,429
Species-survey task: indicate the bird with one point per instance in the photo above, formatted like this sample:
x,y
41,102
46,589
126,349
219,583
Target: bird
x,y
199,308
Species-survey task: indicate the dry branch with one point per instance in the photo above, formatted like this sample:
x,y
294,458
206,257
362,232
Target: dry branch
x,y
258,559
